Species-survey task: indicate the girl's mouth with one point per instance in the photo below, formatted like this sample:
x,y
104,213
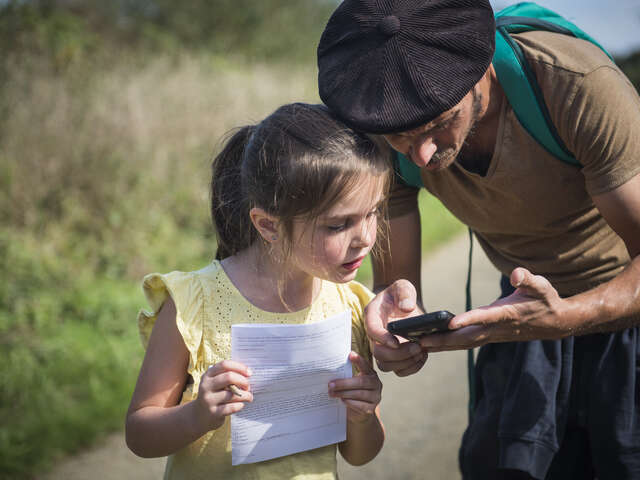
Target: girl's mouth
x,y
353,265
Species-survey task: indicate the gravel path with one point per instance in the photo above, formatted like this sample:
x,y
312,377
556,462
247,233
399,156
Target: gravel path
x,y
424,414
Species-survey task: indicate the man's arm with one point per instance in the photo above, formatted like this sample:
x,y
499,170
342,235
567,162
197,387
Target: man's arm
x,y
536,311
403,257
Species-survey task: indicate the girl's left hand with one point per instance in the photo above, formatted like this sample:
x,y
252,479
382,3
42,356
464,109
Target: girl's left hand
x,y
361,393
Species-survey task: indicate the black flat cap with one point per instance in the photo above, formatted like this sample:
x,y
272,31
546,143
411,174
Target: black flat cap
x,y
392,65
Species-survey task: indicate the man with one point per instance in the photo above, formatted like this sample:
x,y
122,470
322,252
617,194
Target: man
x,y
557,393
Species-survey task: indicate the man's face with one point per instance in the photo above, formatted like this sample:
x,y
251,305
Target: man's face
x,y
436,144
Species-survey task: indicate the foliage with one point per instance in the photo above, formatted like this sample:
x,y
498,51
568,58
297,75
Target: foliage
x,y
69,356
70,30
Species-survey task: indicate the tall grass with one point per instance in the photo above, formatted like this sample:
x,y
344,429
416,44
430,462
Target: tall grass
x,y
104,173
104,177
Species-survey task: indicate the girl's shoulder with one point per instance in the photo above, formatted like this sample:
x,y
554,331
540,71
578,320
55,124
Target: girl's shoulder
x,y
355,291
186,289
177,283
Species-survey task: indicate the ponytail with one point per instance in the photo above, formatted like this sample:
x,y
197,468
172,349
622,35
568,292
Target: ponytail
x,y
229,207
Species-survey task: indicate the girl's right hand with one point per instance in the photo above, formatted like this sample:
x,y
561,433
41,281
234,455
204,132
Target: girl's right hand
x,y
215,401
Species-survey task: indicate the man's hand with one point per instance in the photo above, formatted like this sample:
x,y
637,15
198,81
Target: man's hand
x,y
394,302
532,312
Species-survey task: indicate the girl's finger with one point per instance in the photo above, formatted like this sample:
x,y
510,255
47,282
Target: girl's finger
x,y
228,366
359,382
361,363
226,409
413,368
226,397
365,396
360,407
223,380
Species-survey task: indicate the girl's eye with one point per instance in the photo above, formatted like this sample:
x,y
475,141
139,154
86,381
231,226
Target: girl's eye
x,y
337,228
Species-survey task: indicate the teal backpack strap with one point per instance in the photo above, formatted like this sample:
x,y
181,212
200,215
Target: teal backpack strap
x,y
518,81
407,171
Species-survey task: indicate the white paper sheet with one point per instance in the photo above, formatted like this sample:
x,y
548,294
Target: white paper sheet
x,y
292,366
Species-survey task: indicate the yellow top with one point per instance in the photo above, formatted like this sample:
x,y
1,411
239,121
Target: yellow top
x,y
207,304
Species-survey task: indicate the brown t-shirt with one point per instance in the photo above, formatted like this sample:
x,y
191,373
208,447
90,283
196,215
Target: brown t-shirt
x,y
532,209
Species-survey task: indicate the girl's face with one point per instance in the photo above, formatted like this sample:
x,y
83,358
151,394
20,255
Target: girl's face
x,y
334,247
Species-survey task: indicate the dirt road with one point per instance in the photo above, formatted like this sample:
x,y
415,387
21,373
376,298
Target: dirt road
x,y
424,414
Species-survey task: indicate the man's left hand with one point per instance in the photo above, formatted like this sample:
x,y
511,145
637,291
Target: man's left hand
x,y
532,312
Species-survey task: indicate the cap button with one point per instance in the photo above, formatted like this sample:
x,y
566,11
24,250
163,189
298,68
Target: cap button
x,y
389,25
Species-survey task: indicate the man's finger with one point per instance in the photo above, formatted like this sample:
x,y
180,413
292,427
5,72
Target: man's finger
x,y
534,285
465,338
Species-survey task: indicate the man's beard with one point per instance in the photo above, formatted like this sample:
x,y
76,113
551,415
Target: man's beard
x,y
463,155
443,158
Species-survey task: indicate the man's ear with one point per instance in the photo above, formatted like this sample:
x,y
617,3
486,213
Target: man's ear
x,y
266,224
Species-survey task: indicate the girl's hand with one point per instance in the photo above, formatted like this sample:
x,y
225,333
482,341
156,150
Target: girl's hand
x,y
215,401
361,393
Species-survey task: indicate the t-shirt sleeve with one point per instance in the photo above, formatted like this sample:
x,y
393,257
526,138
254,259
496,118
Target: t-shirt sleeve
x,y
606,112
186,292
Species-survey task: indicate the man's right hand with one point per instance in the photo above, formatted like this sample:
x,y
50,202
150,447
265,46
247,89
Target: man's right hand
x,y
396,301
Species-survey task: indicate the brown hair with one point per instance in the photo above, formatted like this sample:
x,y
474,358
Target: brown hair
x,y
296,162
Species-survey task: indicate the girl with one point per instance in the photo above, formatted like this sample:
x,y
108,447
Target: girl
x,y
295,202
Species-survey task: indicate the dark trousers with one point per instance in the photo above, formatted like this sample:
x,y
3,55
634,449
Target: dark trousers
x,y
563,409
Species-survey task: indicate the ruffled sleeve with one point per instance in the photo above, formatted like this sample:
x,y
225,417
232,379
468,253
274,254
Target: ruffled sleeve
x,y
185,288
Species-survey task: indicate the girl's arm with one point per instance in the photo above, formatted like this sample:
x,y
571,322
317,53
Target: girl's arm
x,y
361,394
156,425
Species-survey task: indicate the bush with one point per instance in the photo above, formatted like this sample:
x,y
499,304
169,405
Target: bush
x,y
70,355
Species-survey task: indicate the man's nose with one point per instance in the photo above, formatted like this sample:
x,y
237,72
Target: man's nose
x,y
419,149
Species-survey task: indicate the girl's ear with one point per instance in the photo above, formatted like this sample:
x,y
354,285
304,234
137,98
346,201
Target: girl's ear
x,y
265,223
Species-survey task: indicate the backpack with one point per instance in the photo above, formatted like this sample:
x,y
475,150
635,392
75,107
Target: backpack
x,y
518,81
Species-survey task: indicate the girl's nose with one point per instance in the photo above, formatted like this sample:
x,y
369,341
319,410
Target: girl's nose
x,y
366,235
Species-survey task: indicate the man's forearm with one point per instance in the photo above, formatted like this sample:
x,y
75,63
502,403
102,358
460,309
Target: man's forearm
x,y
612,306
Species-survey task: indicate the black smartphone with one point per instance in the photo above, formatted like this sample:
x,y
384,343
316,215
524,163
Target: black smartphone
x,y
415,327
